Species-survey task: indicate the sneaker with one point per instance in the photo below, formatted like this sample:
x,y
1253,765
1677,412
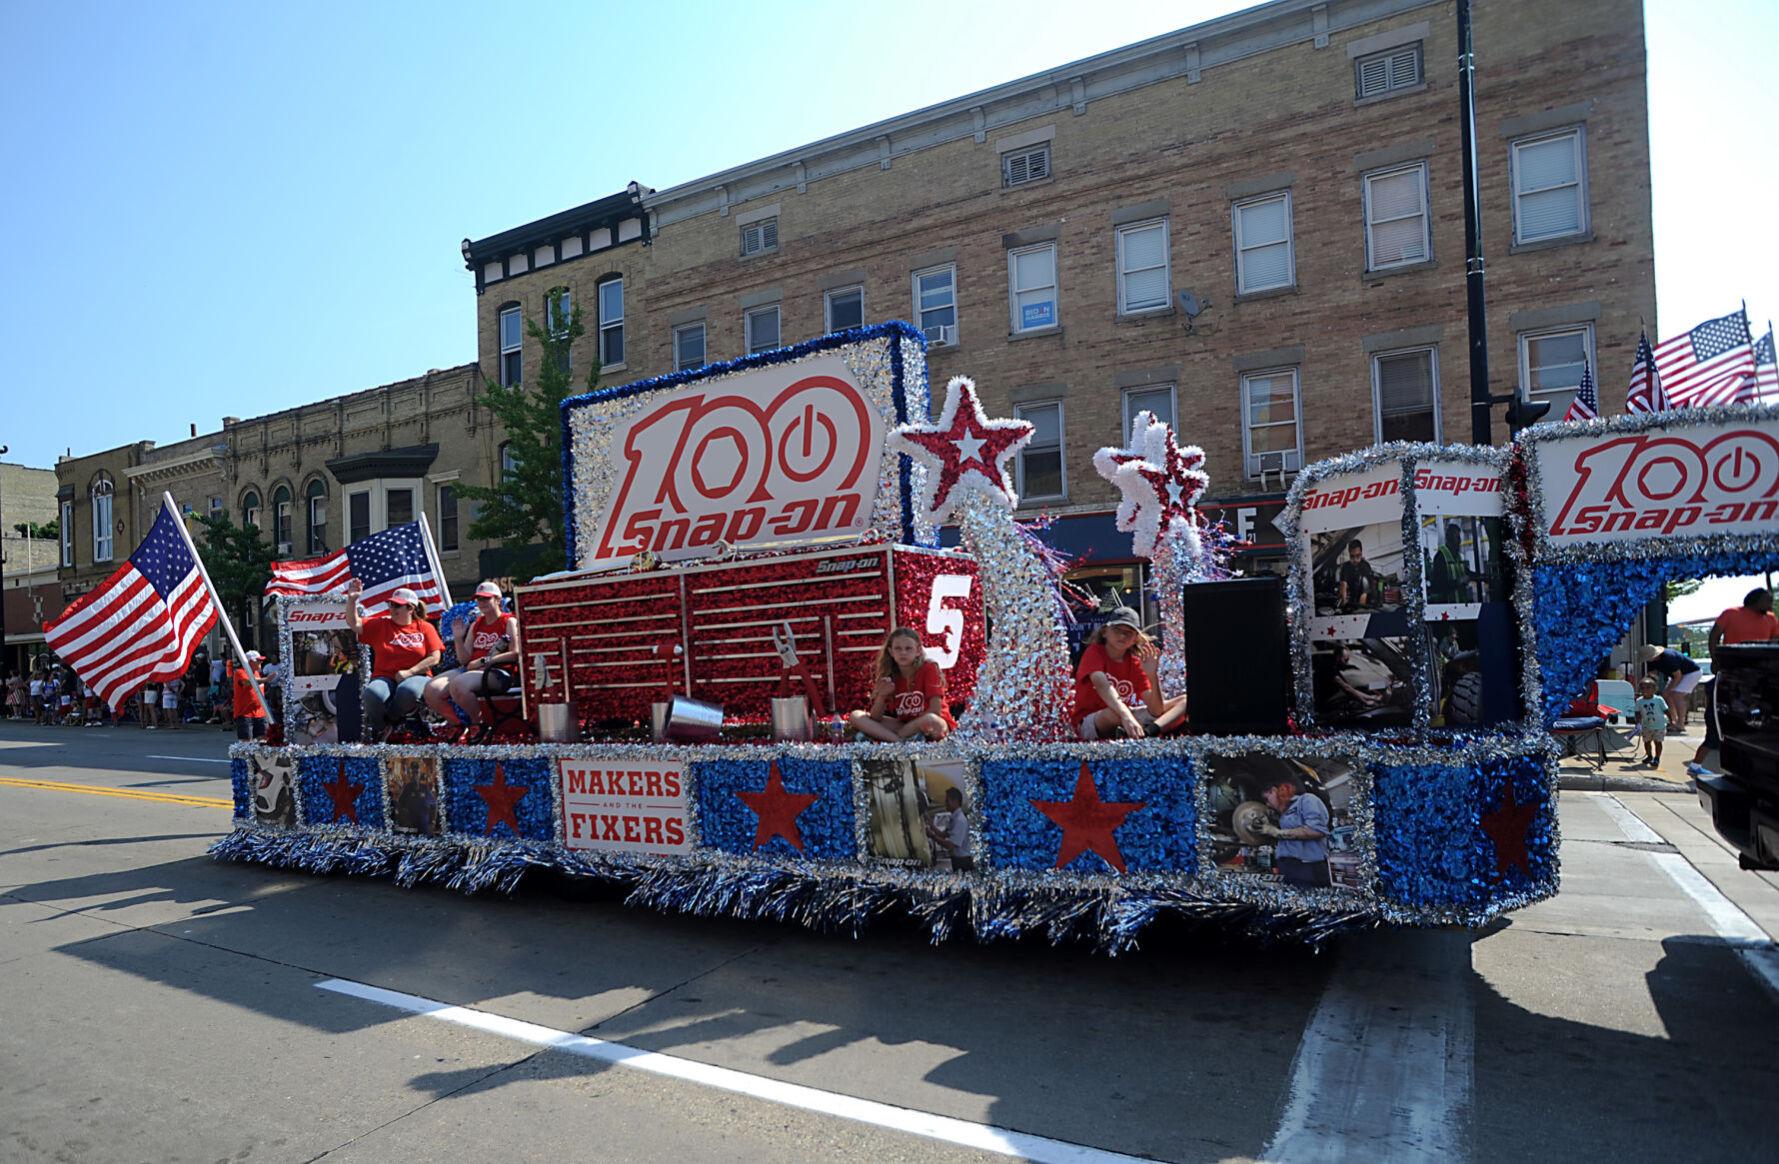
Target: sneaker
x,y
1695,769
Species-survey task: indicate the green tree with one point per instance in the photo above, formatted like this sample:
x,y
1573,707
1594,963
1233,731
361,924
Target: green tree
x,y
1681,588
47,531
523,508
238,560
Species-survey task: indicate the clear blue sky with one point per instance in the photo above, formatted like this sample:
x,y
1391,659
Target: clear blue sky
x,y
224,208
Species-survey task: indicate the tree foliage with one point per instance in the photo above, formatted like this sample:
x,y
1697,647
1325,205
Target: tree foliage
x,y
48,531
523,508
238,560
1682,587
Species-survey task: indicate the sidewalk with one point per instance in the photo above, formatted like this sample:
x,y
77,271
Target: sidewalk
x,y
1624,770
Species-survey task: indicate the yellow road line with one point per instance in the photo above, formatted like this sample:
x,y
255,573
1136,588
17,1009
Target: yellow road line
x,y
130,793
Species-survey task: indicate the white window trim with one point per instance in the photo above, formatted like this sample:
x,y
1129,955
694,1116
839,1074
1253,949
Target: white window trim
x,y
558,327
310,504
957,317
518,345
759,225
606,325
1062,451
1524,338
1013,289
747,326
379,493
1426,216
1167,265
286,518
346,496
104,532
1417,43
1235,221
1173,396
1250,471
828,304
1584,219
1034,148
67,532
704,341
1377,411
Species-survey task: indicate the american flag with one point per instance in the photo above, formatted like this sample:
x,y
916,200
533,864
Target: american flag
x,y
1706,365
140,625
382,563
1766,370
1586,404
1645,393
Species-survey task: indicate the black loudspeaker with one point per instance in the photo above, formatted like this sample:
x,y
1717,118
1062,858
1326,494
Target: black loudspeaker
x,y
1238,667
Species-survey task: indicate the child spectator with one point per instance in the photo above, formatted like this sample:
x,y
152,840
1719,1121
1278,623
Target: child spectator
x,y
1651,712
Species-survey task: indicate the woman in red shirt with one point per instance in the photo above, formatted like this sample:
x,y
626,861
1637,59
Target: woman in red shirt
x,y
1116,671
909,699
486,648
404,650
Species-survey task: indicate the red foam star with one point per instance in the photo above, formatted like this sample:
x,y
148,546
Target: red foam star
x,y
971,443
500,797
1506,825
344,794
1088,822
1178,481
777,809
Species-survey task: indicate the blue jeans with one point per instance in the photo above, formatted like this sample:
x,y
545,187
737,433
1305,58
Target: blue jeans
x,y
384,702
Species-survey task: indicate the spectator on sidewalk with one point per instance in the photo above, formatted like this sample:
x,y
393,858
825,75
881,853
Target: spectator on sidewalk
x,y
250,713
1752,622
1651,714
1679,674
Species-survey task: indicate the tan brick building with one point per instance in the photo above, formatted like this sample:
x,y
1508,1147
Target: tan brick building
x,y
1254,224
27,561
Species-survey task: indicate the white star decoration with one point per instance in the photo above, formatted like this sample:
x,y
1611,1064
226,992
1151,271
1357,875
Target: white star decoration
x,y
1159,483
964,453
1147,437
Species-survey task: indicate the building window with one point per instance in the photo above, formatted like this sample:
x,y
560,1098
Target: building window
x,y
688,346
1142,267
1023,167
935,303
509,464
281,519
761,328
1551,364
447,517
358,515
757,238
1263,258
66,531
1396,217
1549,187
1157,401
316,503
1031,287
558,312
1040,470
512,331
216,507
1272,428
844,307
250,510
1387,72
1405,386
398,507
611,322
102,517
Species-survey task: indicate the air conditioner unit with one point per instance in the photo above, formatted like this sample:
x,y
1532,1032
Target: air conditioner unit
x,y
283,548
944,333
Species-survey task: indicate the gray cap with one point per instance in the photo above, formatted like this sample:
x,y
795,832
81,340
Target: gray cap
x,y
1125,616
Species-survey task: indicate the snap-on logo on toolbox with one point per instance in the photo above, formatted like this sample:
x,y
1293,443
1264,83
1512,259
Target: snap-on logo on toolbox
x,y
1662,483
709,464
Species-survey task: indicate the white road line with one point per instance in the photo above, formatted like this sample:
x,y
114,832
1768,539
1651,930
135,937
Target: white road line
x,y
1627,821
985,1137
1754,947
1383,1072
193,759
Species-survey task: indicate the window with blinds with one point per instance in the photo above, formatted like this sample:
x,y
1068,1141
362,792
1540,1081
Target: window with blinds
x,y
1388,72
1396,217
1548,185
1263,259
1040,468
1142,267
1551,364
1272,432
759,237
1031,287
1406,386
1022,167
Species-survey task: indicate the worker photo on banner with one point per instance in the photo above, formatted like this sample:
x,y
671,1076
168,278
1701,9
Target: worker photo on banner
x,y
413,787
1286,822
1460,565
271,779
919,813
1363,683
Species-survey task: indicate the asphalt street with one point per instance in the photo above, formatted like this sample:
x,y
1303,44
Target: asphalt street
x,y
155,1005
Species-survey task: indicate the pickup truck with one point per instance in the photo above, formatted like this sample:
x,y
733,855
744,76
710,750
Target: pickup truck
x,y
1743,799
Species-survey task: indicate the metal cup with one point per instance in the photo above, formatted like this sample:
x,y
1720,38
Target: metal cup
x,y
556,723
658,712
693,720
790,718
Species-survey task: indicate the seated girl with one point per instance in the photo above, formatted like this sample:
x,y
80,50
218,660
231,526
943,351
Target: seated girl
x,y
1118,668
909,699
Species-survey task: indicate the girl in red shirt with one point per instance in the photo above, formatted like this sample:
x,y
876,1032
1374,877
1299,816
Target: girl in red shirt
x,y
404,650
486,649
1116,671
909,699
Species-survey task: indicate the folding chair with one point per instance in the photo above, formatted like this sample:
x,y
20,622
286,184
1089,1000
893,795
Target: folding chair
x,y
1582,736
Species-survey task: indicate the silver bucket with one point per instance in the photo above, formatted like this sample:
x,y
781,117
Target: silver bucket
x,y
658,719
790,718
692,720
556,723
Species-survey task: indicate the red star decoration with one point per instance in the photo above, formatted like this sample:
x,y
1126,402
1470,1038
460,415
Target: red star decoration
x,y
345,795
1506,825
500,797
1087,822
970,443
1178,481
777,809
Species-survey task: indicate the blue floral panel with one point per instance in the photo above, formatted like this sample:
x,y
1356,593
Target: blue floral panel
x,y
825,825
1158,836
1464,836
317,774
474,798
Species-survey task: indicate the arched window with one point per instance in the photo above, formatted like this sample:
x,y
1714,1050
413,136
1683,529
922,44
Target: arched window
x,y
102,498
316,503
250,508
281,518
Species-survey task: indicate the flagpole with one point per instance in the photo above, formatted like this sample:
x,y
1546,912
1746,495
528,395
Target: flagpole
x,y
432,556
222,612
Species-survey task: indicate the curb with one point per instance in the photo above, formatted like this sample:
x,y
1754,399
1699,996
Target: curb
x,y
1575,782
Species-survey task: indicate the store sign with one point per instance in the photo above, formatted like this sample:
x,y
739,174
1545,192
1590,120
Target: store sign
x,y
781,455
1682,480
624,806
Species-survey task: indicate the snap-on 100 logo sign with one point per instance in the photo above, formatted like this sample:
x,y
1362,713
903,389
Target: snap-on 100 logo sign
x,y
746,461
1697,480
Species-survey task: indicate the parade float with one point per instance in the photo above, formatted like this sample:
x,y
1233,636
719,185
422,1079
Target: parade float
x,y
742,538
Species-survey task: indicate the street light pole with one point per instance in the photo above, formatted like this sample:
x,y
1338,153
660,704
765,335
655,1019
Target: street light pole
x,y
1481,402
4,449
